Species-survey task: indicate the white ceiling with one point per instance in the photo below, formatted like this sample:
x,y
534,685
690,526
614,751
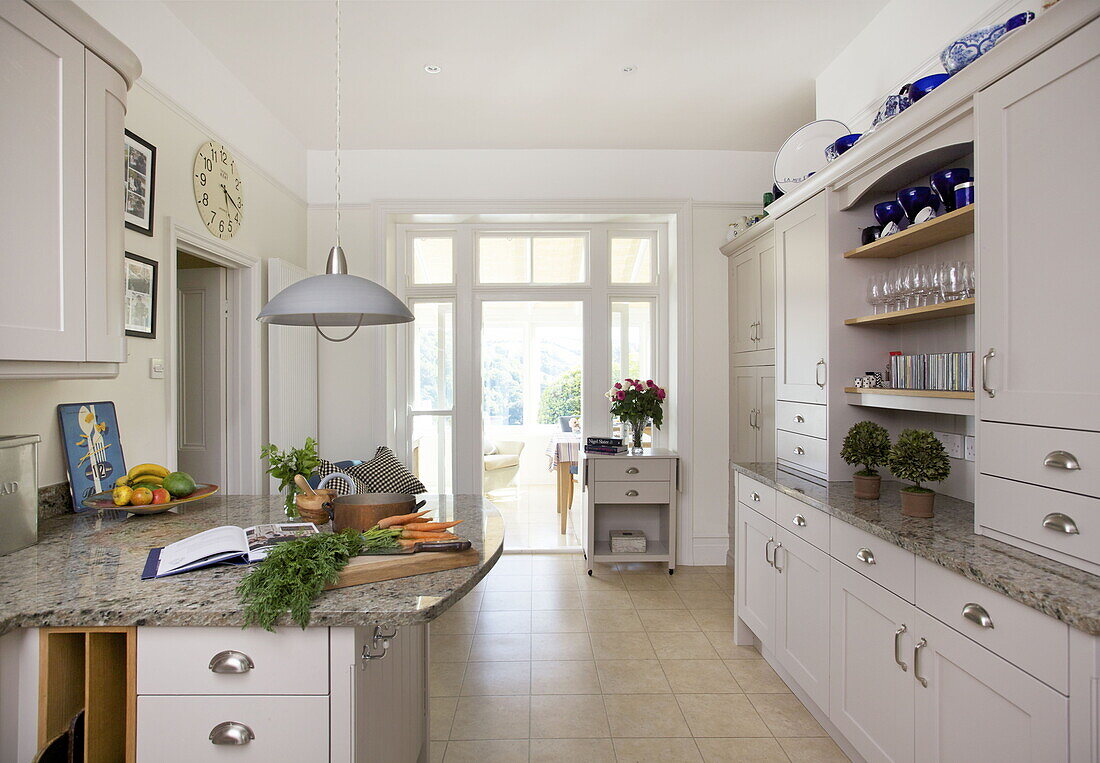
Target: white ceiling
x,y
722,74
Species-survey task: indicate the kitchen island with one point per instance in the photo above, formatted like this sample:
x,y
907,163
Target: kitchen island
x,y
187,660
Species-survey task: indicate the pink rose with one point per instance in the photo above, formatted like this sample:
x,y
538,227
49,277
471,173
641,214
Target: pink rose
x,y
618,385
620,395
649,383
660,394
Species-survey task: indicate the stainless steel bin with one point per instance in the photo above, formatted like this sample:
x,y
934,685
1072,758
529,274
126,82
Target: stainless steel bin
x,y
18,491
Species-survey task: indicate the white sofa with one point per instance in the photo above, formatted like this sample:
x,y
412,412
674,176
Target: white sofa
x,y
501,466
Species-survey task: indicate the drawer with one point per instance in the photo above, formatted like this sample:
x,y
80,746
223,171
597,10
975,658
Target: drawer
x,y
1038,515
1025,637
641,469
808,523
756,495
891,567
802,451
1021,452
177,729
632,492
177,661
801,418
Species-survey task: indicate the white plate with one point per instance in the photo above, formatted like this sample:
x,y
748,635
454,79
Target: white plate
x,y
804,152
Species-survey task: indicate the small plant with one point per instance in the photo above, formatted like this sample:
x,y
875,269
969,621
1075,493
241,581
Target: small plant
x,y
866,443
283,465
919,457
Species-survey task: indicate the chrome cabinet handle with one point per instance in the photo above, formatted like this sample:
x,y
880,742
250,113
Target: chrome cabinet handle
x,y
752,418
231,661
897,647
985,372
1060,459
632,493
976,613
798,419
231,732
755,496
775,558
865,556
916,662
632,470
820,364
799,451
799,520
752,332
767,549
1061,522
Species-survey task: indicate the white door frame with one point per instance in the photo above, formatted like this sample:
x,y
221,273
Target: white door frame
x,y
244,403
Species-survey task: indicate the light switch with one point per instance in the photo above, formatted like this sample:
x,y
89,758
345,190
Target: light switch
x,y
156,368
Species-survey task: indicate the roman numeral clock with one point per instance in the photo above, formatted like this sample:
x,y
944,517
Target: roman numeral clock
x,y
218,191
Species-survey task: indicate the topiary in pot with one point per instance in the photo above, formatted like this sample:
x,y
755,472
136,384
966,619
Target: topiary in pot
x,y
868,444
917,457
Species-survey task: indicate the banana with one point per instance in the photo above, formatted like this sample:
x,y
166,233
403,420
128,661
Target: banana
x,y
146,470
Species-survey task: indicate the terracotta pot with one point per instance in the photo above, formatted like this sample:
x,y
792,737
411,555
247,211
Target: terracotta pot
x,y
363,510
917,504
867,487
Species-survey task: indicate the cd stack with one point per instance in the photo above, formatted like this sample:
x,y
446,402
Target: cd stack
x,y
952,371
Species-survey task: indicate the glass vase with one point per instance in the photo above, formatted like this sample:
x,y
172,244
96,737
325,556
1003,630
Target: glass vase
x,y
290,506
635,429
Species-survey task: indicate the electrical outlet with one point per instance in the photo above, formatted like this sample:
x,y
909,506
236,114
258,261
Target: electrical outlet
x,y
952,443
970,450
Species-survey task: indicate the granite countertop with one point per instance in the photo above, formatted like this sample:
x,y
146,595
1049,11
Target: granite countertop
x,y
948,539
86,570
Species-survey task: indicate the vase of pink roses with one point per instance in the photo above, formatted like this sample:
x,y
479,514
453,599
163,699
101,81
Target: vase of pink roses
x,y
636,403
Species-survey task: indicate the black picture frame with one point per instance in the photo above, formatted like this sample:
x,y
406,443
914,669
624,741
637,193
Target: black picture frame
x,y
140,184
141,301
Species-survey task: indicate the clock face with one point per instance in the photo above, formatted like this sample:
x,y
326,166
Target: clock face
x,y
218,192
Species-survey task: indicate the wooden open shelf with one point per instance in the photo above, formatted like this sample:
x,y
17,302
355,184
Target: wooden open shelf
x,y
925,400
913,314
946,227
912,392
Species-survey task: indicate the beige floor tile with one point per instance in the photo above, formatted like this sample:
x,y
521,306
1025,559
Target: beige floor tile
x,y
632,677
694,583
721,715
441,712
498,601
656,620
564,582
727,650
507,583
666,599
604,582
715,569
450,647
496,647
488,751
786,716
504,622
642,568
436,751
584,750
555,600
513,564
692,645
492,718
612,621
699,677
716,599
558,621
606,600
571,716
811,750
564,677
725,583
622,646
648,582
446,678
741,751
554,564
560,646
656,750
471,602
497,678
756,677
645,715
453,621
710,619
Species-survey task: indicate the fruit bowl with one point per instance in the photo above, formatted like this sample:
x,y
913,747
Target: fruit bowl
x,y
105,501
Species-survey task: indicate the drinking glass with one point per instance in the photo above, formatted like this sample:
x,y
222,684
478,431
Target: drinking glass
x,y
969,280
874,292
951,281
907,287
890,289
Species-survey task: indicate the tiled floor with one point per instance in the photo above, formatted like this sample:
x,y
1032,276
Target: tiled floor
x,y
531,519
543,663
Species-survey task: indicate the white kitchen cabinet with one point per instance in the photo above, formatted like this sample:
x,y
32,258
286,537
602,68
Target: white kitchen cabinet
x,y
752,423
752,296
801,268
755,577
802,614
969,699
1037,297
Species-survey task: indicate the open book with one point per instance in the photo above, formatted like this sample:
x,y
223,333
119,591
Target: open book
x,y
222,545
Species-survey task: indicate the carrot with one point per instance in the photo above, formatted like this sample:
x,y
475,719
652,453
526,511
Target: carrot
x,y
406,542
415,535
420,520
435,526
402,519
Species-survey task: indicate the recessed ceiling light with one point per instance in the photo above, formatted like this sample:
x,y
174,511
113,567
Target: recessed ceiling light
x,y
433,69
629,68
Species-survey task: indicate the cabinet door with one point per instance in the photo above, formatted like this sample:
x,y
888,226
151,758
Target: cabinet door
x,y
801,250
1037,295
765,420
766,259
42,196
977,702
871,695
802,615
755,579
744,389
744,300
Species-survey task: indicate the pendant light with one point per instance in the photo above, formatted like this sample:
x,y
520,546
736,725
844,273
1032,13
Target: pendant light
x,y
335,298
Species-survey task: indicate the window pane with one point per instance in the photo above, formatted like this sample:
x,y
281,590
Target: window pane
x,y
503,260
433,355
631,260
631,340
433,260
558,260
431,452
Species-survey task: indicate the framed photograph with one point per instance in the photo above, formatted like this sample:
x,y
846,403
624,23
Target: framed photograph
x,y
141,297
93,448
141,180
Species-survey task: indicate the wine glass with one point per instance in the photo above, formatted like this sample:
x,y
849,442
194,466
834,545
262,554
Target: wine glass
x,y
874,292
951,281
969,280
890,289
907,285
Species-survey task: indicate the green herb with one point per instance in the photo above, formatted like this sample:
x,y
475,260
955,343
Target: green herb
x,y
283,465
918,456
376,539
866,443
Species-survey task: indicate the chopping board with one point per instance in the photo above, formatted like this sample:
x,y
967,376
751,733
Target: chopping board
x,y
373,569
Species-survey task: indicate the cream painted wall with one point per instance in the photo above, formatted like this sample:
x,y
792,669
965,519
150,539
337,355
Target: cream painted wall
x,y
274,226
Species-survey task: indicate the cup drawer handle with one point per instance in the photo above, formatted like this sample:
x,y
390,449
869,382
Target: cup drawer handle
x,y
1061,522
865,556
632,493
976,613
231,733
632,470
231,661
799,419
799,520
799,451
1061,459
755,496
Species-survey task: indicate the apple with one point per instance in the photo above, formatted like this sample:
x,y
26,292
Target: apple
x,y
142,496
160,495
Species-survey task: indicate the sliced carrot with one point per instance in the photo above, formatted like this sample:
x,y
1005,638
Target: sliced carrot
x,y
402,519
436,526
414,534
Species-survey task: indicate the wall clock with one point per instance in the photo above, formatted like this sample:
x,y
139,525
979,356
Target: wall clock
x,y
218,192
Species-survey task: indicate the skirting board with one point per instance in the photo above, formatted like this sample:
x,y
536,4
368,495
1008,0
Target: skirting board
x,y
709,552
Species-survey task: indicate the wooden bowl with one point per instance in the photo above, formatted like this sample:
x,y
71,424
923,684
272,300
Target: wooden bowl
x,y
315,508
363,510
